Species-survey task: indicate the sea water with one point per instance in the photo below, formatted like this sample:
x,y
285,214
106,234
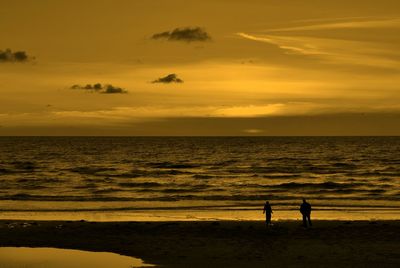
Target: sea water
x,y
198,178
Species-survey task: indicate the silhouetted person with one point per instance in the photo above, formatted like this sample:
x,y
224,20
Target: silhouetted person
x,y
268,212
305,210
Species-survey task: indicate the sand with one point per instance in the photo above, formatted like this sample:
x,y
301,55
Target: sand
x,y
221,243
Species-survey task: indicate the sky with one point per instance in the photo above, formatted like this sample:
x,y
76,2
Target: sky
x,y
220,67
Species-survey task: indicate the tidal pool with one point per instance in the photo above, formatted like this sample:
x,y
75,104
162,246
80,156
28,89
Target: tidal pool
x,y
12,257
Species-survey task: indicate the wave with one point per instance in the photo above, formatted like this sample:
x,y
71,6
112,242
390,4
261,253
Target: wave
x,y
192,197
180,190
140,184
4,171
376,174
284,206
90,170
24,165
385,180
282,176
203,176
323,185
107,190
171,165
136,173
18,167
86,186
285,169
344,165
346,191
38,180
299,185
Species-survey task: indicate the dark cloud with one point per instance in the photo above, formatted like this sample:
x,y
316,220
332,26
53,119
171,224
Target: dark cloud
x,y
171,78
109,89
99,88
184,34
17,56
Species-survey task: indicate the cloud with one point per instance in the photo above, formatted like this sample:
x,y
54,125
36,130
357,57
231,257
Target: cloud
x,y
99,88
184,34
350,24
113,90
160,112
367,42
249,110
171,78
333,50
69,123
9,56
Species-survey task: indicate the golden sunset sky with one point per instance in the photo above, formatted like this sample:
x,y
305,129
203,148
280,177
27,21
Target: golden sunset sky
x,y
256,67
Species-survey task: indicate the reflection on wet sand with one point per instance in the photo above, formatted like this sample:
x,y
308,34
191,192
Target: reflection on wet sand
x,y
12,257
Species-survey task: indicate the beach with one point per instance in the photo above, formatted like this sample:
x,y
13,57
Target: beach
x,y
220,243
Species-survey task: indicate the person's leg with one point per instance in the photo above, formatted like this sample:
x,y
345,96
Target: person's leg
x,y
268,219
309,219
304,220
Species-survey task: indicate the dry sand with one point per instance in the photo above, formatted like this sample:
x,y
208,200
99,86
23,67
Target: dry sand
x,y
221,244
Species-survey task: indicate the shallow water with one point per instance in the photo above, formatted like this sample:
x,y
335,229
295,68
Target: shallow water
x,y
168,176
11,257
205,215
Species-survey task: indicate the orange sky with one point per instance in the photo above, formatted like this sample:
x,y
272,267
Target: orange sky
x,y
259,67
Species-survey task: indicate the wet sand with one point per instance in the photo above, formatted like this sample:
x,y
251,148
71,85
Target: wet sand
x,y
220,243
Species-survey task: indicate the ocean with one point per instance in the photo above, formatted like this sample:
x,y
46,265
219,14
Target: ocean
x,y
198,178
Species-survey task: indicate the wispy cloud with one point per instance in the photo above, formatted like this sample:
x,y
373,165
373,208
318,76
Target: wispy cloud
x,y
126,116
291,44
153,112
137,113
323,40
351,24
332,50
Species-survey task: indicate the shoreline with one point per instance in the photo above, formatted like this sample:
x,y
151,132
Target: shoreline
x,y
329,243
179,214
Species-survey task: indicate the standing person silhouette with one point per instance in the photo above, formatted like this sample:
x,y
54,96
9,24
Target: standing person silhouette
x,y
305,209
268,212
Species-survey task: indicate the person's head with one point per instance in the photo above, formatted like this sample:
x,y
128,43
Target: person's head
x,y
266,202
304,200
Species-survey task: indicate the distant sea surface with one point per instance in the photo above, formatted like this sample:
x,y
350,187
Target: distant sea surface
x,y
147,178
